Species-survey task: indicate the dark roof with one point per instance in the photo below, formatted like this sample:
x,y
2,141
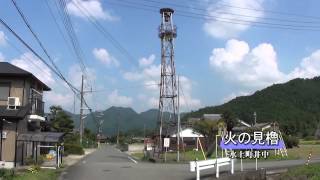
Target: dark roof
x,y
7,69
16,114
53,137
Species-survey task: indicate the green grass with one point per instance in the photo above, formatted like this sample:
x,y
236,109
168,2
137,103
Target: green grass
x,y
43,174
40,174
307,172
309,142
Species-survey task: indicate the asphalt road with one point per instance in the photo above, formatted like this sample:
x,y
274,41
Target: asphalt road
x,y
109,163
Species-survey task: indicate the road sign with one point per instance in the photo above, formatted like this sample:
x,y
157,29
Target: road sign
x,y
166,142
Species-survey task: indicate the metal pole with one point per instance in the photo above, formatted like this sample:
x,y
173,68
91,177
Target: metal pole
x,y
81,111
118,130
1,139
178,135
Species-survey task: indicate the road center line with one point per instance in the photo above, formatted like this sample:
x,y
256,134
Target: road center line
x,y
132,160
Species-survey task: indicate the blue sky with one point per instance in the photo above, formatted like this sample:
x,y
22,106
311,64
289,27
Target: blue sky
x,y
217,61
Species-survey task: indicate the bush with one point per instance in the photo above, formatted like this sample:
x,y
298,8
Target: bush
x,y
73,149
291,141
309,138
6,173
31,161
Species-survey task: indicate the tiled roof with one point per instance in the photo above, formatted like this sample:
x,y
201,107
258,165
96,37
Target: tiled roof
x,y
7,69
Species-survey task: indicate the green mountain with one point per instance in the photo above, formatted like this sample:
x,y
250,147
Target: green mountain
x,y
125,118
295,105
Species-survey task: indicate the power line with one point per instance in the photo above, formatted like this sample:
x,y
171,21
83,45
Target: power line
x,y
58,26
64,14
288,14
222,20
36,37
127,87
75,90
105,33
34,52
225,19
229,13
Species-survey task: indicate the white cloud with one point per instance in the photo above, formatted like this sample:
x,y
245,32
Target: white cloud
x,y
187,102
257,67
152,72
143,62
309,67
2,57
92,8
234,95
3,39
149,76
118,100
74,76
59,95
63,99
132,76
105,57
216,25
35,66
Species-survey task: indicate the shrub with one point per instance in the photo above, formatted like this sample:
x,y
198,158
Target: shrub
x,y
31,161
309,138
73,149
34,169
291,141
6,173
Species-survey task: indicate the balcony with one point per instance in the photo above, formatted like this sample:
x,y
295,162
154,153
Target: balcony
x,y
37,106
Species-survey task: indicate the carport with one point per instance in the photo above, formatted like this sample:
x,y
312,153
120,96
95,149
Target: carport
x,y
36,144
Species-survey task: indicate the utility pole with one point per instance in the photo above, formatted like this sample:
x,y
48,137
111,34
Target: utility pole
x,y
118,133
255,118
168,87
1,124
179,123
81,112
144,131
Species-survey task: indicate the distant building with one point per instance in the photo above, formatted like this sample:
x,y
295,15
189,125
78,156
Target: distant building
x,y
189,139
212,117
242,126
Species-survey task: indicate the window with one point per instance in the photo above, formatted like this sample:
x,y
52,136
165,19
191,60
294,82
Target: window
x,y
4,91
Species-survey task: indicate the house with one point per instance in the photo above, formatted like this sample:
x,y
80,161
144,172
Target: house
x,y
243,126
189,139
21,112
212,117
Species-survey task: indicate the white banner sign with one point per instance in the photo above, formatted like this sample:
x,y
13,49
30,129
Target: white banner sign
x,y
166,142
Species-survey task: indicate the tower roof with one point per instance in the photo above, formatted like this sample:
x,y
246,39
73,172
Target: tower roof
x,y
162,10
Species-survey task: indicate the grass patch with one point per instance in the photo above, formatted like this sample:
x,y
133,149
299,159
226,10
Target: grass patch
x,y
47,174
307,172
138,155
39,174
309,142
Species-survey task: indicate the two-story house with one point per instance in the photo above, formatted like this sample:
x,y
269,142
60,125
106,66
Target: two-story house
x,y
21,111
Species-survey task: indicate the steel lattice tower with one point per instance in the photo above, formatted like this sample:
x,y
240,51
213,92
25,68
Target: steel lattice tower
x,y
168,85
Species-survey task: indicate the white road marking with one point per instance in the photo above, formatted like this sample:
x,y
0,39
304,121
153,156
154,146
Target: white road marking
x,y
132,160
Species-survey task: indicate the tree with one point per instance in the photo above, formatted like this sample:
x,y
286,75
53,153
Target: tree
x,y
209,129
54,110
229,119
61,121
